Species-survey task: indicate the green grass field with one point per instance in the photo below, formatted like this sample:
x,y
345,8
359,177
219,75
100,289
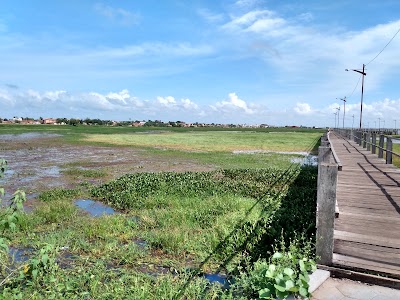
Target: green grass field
x,y
214,141
171,228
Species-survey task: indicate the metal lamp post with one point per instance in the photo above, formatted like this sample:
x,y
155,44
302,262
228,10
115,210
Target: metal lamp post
x,y
362,89
338,116
344,108
335,119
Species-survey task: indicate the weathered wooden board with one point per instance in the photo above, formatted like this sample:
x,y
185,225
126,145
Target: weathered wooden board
x,y
367,232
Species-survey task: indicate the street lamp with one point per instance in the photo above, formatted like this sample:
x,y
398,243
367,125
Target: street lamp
x,y
379,124
335,119
362,88
352,126
395,128
338,116
344,108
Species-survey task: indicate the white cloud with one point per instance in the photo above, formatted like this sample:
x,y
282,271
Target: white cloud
x,y
307,17
166,101
188,104
152,49
119,97
209,16
303,108
54,95
247,3
233,103
183,104
117,15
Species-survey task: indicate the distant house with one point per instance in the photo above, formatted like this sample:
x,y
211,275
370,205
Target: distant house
x,y
49,121
138,123
28,121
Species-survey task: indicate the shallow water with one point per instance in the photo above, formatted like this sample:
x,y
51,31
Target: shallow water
x,y
216,278
268,151
94,208
309,160
20,255
27,136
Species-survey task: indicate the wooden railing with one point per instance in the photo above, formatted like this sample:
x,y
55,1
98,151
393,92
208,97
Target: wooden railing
x,y
327,209
368,139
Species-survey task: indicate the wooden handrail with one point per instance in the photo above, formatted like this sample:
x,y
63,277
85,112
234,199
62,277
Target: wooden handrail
x,y
361,138
335,157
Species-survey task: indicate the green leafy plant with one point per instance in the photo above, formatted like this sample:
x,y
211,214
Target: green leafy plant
x,y
285,273
44,264
9,217
282,280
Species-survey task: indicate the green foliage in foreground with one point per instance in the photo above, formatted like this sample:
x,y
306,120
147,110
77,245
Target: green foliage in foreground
x,y
222,220
285,273
143,190
273,201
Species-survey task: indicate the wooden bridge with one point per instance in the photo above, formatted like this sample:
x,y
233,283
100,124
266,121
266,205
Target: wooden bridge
x,y
365,235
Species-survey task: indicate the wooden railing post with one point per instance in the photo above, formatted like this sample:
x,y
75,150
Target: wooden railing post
x,y
324,141
364,140
324,153
360,137
326,200
389,149
373,143
381,144
368,141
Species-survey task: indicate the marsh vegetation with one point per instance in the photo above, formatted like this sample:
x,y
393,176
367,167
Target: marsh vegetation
x,y
188,208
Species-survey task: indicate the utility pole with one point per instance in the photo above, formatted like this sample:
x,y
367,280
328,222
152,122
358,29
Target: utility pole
x,y
395,128
335,119
379,124
362,89
344,108
338,116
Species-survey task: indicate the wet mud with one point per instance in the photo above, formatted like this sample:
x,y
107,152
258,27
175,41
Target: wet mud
x,y
36,162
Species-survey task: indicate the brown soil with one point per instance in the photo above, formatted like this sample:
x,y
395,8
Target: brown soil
x,y
36,164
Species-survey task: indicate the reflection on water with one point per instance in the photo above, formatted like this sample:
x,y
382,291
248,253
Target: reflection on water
x,y
20,255
309,160
94,208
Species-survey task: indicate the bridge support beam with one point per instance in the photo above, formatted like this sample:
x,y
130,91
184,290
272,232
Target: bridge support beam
x,y
326,202
373,143
389,149
381,144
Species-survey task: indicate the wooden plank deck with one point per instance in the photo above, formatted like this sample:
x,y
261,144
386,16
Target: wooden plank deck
x,y
367,232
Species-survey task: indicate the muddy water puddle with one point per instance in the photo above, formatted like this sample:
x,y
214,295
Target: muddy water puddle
x,y
27,136
37,166
20,255
309,160
94,208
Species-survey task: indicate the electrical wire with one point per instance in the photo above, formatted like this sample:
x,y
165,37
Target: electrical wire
x,y
355,86
384,47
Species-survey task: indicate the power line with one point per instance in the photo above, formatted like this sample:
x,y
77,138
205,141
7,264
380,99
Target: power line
x,y
355,86
384,47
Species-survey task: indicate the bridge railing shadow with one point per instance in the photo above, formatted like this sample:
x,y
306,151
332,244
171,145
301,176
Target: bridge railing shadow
x,y
288,211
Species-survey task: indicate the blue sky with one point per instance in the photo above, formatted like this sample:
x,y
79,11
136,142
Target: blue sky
x,y
243,61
